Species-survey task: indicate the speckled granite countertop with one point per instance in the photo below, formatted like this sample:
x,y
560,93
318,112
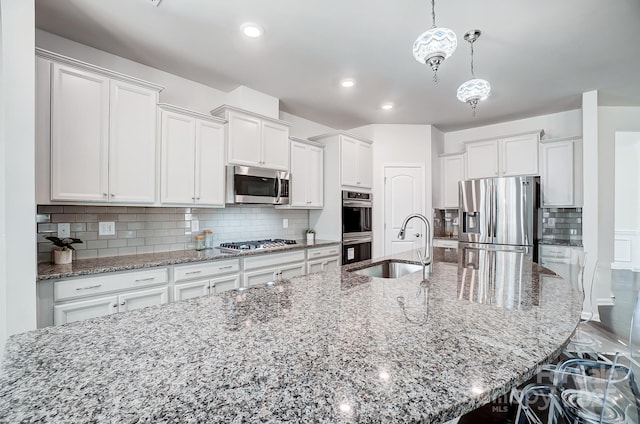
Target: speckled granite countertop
x,y
122,263
327,347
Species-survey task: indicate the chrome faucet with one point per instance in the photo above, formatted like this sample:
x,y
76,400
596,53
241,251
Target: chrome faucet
x,y
426,258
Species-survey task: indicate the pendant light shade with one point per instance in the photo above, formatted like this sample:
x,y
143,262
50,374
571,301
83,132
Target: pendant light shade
x,y
435,45
475,89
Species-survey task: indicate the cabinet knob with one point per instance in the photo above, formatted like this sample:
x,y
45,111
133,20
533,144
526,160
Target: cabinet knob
x,y
197,198
104,194
358,182
113,195
115,305
123,303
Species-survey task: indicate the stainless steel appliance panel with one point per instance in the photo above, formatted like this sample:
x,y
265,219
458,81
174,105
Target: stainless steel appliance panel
x,y
247,185
512,221
476,211
356,249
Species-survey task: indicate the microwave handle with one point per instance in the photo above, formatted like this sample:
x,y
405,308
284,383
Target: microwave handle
x,y
278,188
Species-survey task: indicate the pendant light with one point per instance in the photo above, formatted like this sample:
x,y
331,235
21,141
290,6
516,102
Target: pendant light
x,y
475,89
435,45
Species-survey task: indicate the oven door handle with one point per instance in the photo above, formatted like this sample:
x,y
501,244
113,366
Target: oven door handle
x,y
347,242
361,204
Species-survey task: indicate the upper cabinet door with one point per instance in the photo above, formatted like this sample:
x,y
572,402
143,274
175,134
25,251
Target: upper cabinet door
x,y
245,143
79,135
132,143
557,174
452,173
315,176
482,159
178,158
209,172
519,155
364,165
349,161
275,146
300,175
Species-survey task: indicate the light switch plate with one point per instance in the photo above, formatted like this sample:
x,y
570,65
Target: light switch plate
x,y
285,223
64,230
106,228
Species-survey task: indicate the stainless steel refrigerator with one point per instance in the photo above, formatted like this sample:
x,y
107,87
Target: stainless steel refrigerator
x,y
500,211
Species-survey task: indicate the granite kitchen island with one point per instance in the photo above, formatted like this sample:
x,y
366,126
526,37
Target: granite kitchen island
x,y
326,347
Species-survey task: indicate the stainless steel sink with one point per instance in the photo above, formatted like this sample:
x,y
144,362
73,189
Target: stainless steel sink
x,y
388,269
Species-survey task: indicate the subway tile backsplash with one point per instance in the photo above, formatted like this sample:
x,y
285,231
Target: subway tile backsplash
x,y
562,224
159,229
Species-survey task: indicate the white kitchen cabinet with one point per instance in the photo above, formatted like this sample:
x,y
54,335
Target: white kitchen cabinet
x,y
265,275
566,261
482,159
452,168
324,264
191,289
519,155
192,165
291,270
355,164
143,298
223,284
255,140
307,175
84,309
503,157
103,135
561,172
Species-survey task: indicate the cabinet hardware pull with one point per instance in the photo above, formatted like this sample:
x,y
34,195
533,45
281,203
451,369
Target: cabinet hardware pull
x,y
193,272
113,195
193,198
104,194
145,279
316,253
226,267
115,305
123,303
197,198
89,287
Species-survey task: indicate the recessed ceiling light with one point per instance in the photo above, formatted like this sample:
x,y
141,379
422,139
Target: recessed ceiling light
x,y
252,30
347,83
387,106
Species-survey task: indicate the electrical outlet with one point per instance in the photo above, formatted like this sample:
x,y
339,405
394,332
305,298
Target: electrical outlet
x,y
64,230
106,228
195,225
285,223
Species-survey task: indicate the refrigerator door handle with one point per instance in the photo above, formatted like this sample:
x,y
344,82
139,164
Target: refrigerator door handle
x,y
494,211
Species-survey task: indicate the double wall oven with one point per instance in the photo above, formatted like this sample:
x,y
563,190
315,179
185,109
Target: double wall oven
x,y
357,237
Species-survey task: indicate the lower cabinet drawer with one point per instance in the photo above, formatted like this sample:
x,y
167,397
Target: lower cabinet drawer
x,y
451,244
211,269
82,287
321,252
273,259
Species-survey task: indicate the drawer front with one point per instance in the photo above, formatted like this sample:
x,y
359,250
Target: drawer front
x,y
190,290
322,252
273,259
83,287
222,284
189,272
255,278
451,244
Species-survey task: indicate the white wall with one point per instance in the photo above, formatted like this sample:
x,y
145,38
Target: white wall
x,y
610,120
17,184
304,128
396,144
562,124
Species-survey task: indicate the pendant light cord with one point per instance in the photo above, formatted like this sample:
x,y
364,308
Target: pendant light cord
x,y
472,73
433,13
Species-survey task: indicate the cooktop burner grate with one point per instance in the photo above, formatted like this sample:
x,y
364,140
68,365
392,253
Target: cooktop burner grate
x,y
254,245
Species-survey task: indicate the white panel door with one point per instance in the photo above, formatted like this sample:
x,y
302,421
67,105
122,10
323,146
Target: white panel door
x,y
519,156
292,270
557,173
452,173
403,196
315,176
84,309
260,276
132,143
315,266
143,298
190,290
178,159
300,175
209,159
275,146
364,165
244,140
482,159
349,161
79,135
222,284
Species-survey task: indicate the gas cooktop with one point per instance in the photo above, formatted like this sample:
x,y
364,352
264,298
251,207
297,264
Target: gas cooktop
x,y
240,246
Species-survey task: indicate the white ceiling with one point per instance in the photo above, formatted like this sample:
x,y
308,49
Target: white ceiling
x,y
539,56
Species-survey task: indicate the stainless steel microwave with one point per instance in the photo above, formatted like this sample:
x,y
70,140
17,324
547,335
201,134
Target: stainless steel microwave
x,y
247,185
